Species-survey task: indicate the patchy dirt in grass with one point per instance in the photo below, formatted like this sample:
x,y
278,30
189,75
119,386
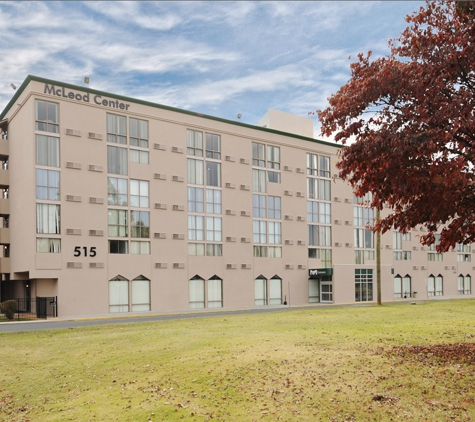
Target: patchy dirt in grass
x,y
430,353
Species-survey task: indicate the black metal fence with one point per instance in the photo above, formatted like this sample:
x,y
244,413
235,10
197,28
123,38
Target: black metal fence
x,y
29,309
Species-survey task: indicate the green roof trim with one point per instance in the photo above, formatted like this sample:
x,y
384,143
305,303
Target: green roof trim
x,y
31,78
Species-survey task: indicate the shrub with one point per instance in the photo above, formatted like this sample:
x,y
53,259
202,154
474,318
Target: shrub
x,y
9,307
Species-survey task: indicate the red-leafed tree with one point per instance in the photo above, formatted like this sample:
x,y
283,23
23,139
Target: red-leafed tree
x,y
410,117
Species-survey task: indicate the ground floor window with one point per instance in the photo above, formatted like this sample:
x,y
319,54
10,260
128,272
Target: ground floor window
x,y
363,285
204,294
118,294
215,292
140,294
402,287
125,295
267,292
435,285
464,285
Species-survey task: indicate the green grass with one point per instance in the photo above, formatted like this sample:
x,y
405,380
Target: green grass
x,y
347,364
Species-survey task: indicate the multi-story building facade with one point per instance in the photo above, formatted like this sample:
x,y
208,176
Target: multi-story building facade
x,y
115,205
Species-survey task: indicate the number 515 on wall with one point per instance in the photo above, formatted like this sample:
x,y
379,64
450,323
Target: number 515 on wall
x,y
91,252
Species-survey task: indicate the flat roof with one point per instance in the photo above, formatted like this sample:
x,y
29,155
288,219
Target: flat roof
x,y
30,78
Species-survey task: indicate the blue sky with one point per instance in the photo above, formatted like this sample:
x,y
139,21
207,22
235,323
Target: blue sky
x,y
217,58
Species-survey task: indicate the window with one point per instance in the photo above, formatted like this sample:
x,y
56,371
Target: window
x,y
402,287
258,155
196,291
326,258
274,251
117,191
47,151
139,193
196,249
45,245
325,236
363,285
435,285
324,191
260,251
214,249
213,173
47,219
138,156
138,133
397,240
260,291
433,256
116,129
313,235
47,184
213,201
463,253
47,116
118,294
312,188
312,164
195,171
275,233
273,157
273,177
313,253
195,200
213,146
117,223
363,238
116,160
194,143
275,291
140,293
325,213
119,246
139,248
215,292
464,285
213,229
324,166
312,211
259,208
195,227
260,231
140,224
258,180
275,207
402,255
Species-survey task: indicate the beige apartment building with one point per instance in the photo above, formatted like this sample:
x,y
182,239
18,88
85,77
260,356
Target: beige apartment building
x,y
114,205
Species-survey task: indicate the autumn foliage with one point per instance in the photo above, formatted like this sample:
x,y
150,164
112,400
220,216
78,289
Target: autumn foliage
x,y
408,121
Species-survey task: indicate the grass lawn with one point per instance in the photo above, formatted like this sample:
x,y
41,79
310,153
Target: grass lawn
x,y
413,362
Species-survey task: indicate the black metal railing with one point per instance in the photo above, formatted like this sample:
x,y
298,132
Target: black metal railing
x,y
29,309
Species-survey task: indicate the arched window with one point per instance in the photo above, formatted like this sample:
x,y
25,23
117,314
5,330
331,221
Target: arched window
x,y
215,292
398,287
260,291
196,290
118,294
402,287
275,290
140,294
435,285
464,284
